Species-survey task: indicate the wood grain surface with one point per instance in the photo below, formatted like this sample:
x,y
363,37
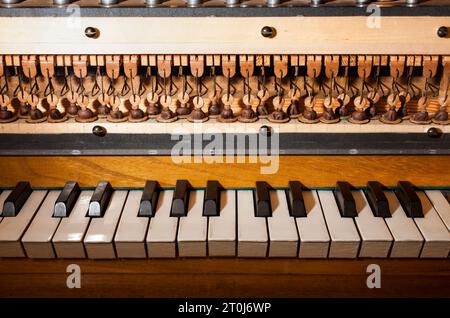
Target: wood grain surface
x,y
225,278
313,171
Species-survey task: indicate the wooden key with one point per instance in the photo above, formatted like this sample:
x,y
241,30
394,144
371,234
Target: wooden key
x,y
180,199
149,198
66,199
16,199
263,205
296,202
345,200
378,200
100,199
409,199
211,205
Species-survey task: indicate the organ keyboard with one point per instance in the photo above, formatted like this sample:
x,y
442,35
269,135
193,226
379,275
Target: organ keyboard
x,y
258,95
241,228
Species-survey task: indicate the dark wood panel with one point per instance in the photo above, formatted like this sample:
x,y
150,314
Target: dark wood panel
x,y
225,278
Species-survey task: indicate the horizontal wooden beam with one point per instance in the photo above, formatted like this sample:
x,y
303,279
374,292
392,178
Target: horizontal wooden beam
x,y
313,171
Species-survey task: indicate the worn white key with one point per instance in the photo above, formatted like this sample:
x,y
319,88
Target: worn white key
x,y
192,229
68,239
434,231
3,197
99,236
376,240
132,229
222,229
407,239
312,230
37,240
282,229
441,205
162,231
252,231
12,228
344,236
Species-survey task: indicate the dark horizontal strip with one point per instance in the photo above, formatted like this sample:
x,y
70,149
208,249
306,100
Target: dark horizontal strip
x,y
22,10
163,145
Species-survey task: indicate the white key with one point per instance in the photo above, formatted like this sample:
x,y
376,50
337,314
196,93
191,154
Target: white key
x,y
407,239
434,231
192,229
282,230
68,239
12,228
37,240
312,230
132,229
99,236
252,231
344,236
3,197
376,240
162,232
222,229
441,205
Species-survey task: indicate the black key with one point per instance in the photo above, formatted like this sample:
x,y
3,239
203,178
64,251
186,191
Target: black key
x,y
377,200
409,200
149,199
263,206
66,199
16,199
345,200
180,199
100,199
211,205
296,202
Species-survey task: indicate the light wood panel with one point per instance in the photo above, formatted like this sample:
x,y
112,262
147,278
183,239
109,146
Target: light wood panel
x,y
224,35
225,278
313,171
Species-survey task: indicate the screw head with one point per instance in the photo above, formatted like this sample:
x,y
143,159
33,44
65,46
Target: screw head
x,y
92,32
99,131
268,32
265,131
434,132
442,32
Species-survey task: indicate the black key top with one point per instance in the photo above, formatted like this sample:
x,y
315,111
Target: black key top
x,y
16,199
263,206
180,201
100,199
149,199
377,200
211,205
66,199
409,199
296,202
345,200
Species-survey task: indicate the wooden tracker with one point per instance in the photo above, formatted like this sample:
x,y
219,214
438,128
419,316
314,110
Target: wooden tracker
x,y
224,35
225,277
314,171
